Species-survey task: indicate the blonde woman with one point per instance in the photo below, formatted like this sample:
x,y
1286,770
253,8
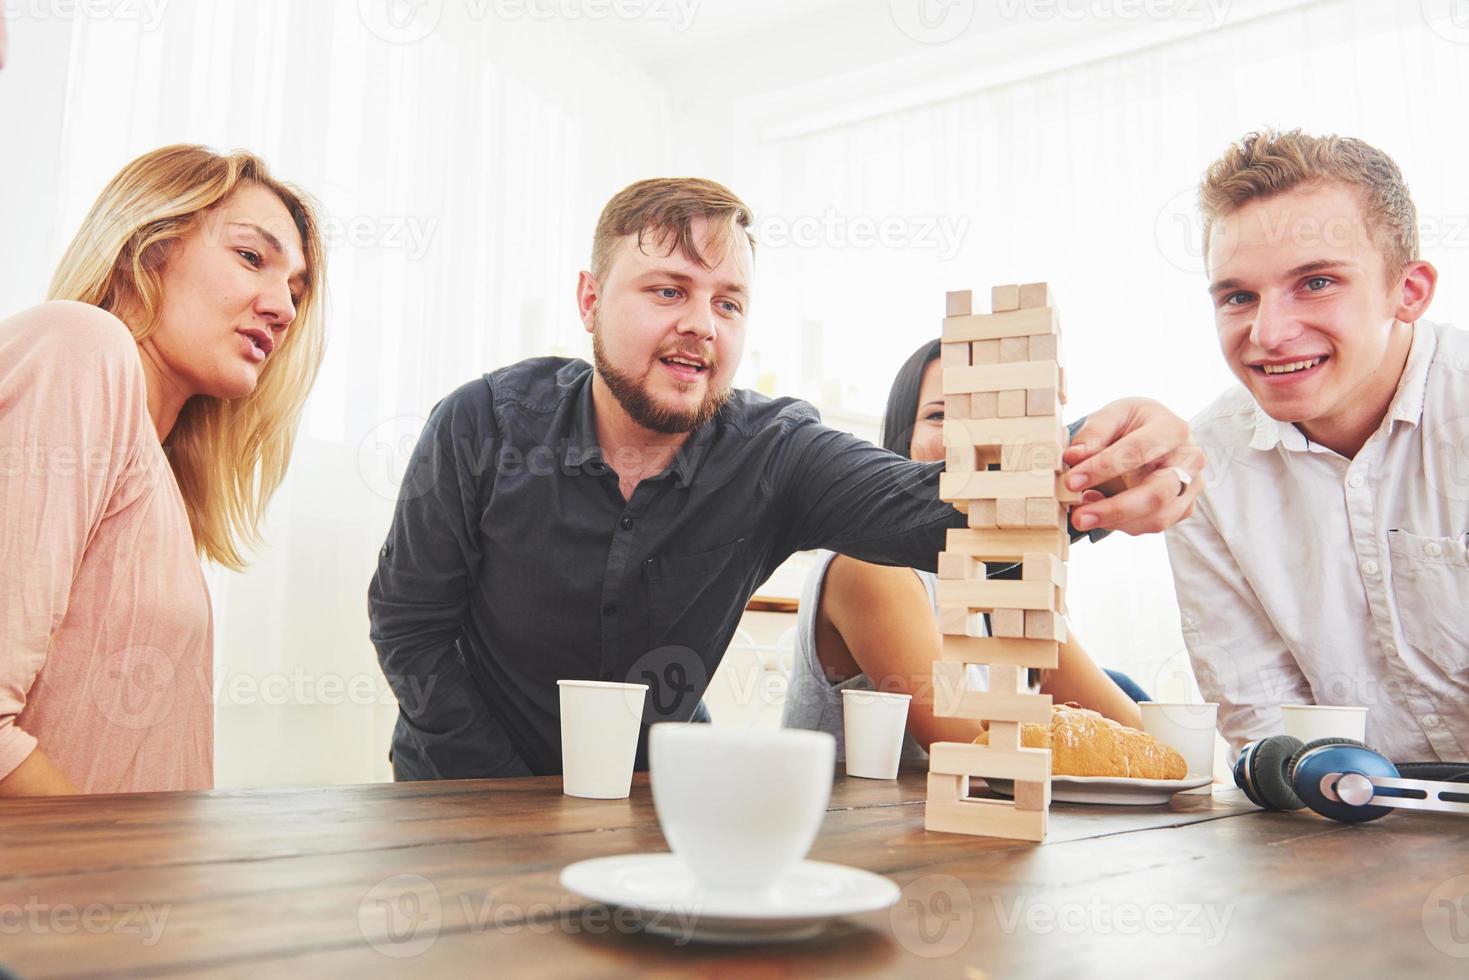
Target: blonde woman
x,y
147,415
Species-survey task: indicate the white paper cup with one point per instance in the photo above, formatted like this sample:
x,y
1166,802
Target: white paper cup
x,y
1309,722
600,722
740,807
1188,729
874,723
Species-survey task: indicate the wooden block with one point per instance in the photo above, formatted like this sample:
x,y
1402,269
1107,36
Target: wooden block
x,y
983,593
962,623
959,458
1021,443
1010,513
1007,622
1061,384
993,326
982,514
960,302
1032,795
1002,432
1034,295
1004,298
1004,735
1041,624
1000,377
1012,404
1064,494
947,786
958,568
985,352
1008,679
1006,545
1013,350
1044,512
982,405
1034,708
993,485
957,406
965,759
954,355
1042,401
1045,347
1033,456
984,818
999,650
1043,567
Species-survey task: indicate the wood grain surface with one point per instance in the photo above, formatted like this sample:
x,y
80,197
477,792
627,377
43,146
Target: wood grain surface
x,y
292,883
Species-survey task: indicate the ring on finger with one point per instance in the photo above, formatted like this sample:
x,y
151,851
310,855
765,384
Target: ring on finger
x,y
1184,478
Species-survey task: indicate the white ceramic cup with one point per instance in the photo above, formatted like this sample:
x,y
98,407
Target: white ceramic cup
x,y
874,723
739,807
1188,729
1309,722
600,722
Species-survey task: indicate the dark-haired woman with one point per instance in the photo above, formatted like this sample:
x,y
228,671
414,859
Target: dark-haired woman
x,y
863,626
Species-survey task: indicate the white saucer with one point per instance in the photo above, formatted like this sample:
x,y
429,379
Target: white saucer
x,y
1110,789
669,902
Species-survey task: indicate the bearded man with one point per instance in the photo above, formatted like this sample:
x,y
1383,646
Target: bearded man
x,y
569,521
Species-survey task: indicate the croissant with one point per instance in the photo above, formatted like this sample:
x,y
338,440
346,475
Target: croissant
x,y
1083,743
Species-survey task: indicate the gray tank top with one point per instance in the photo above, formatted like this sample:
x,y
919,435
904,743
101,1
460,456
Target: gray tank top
x,y
813,701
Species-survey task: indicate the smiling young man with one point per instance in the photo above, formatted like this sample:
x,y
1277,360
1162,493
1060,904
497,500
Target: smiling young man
x,y
563,520
1327,562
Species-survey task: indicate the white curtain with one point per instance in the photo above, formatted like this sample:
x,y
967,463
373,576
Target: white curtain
x,y
1085,178
461,174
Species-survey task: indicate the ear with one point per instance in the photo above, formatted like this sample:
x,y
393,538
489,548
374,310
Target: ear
x,y
587,291
1415,288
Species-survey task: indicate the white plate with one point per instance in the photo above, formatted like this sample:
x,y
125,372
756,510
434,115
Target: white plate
x,y
1110,789
669,902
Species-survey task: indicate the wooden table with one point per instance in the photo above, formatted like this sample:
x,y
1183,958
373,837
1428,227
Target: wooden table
x,y
287,883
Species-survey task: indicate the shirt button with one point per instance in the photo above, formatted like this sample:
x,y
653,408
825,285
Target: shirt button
x,y
1355,481
625,523
1369,567
1430,721
1432,549
610,609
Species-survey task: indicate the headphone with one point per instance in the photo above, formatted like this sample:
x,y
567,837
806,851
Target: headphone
x,y
1345,780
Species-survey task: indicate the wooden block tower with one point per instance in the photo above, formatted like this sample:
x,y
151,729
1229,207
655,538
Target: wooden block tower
x,y
1003,437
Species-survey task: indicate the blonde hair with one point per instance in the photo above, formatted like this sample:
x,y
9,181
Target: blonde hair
x,y
1266,163
228,456
667,206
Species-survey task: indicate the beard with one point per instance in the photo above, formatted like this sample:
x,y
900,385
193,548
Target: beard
x,y
633,395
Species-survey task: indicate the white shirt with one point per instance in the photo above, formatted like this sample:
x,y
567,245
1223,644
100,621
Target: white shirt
x,y
1304,577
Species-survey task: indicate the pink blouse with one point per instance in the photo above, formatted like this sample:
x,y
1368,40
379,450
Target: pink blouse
x,y
105,624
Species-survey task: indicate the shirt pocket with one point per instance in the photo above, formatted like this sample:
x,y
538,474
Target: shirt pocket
x,y
691,595
1430,580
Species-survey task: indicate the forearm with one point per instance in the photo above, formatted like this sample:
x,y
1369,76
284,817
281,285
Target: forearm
x,y
37,776
1077,678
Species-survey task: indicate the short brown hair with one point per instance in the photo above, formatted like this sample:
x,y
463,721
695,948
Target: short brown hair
x,y
1264,164
667,206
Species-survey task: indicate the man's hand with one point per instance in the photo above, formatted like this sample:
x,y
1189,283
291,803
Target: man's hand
x,y
1129,449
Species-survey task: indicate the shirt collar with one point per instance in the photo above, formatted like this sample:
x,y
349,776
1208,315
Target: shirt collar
x,y
583,452
1406,406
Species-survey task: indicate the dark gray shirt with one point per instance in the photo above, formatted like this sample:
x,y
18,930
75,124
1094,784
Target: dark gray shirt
x,y
513,560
